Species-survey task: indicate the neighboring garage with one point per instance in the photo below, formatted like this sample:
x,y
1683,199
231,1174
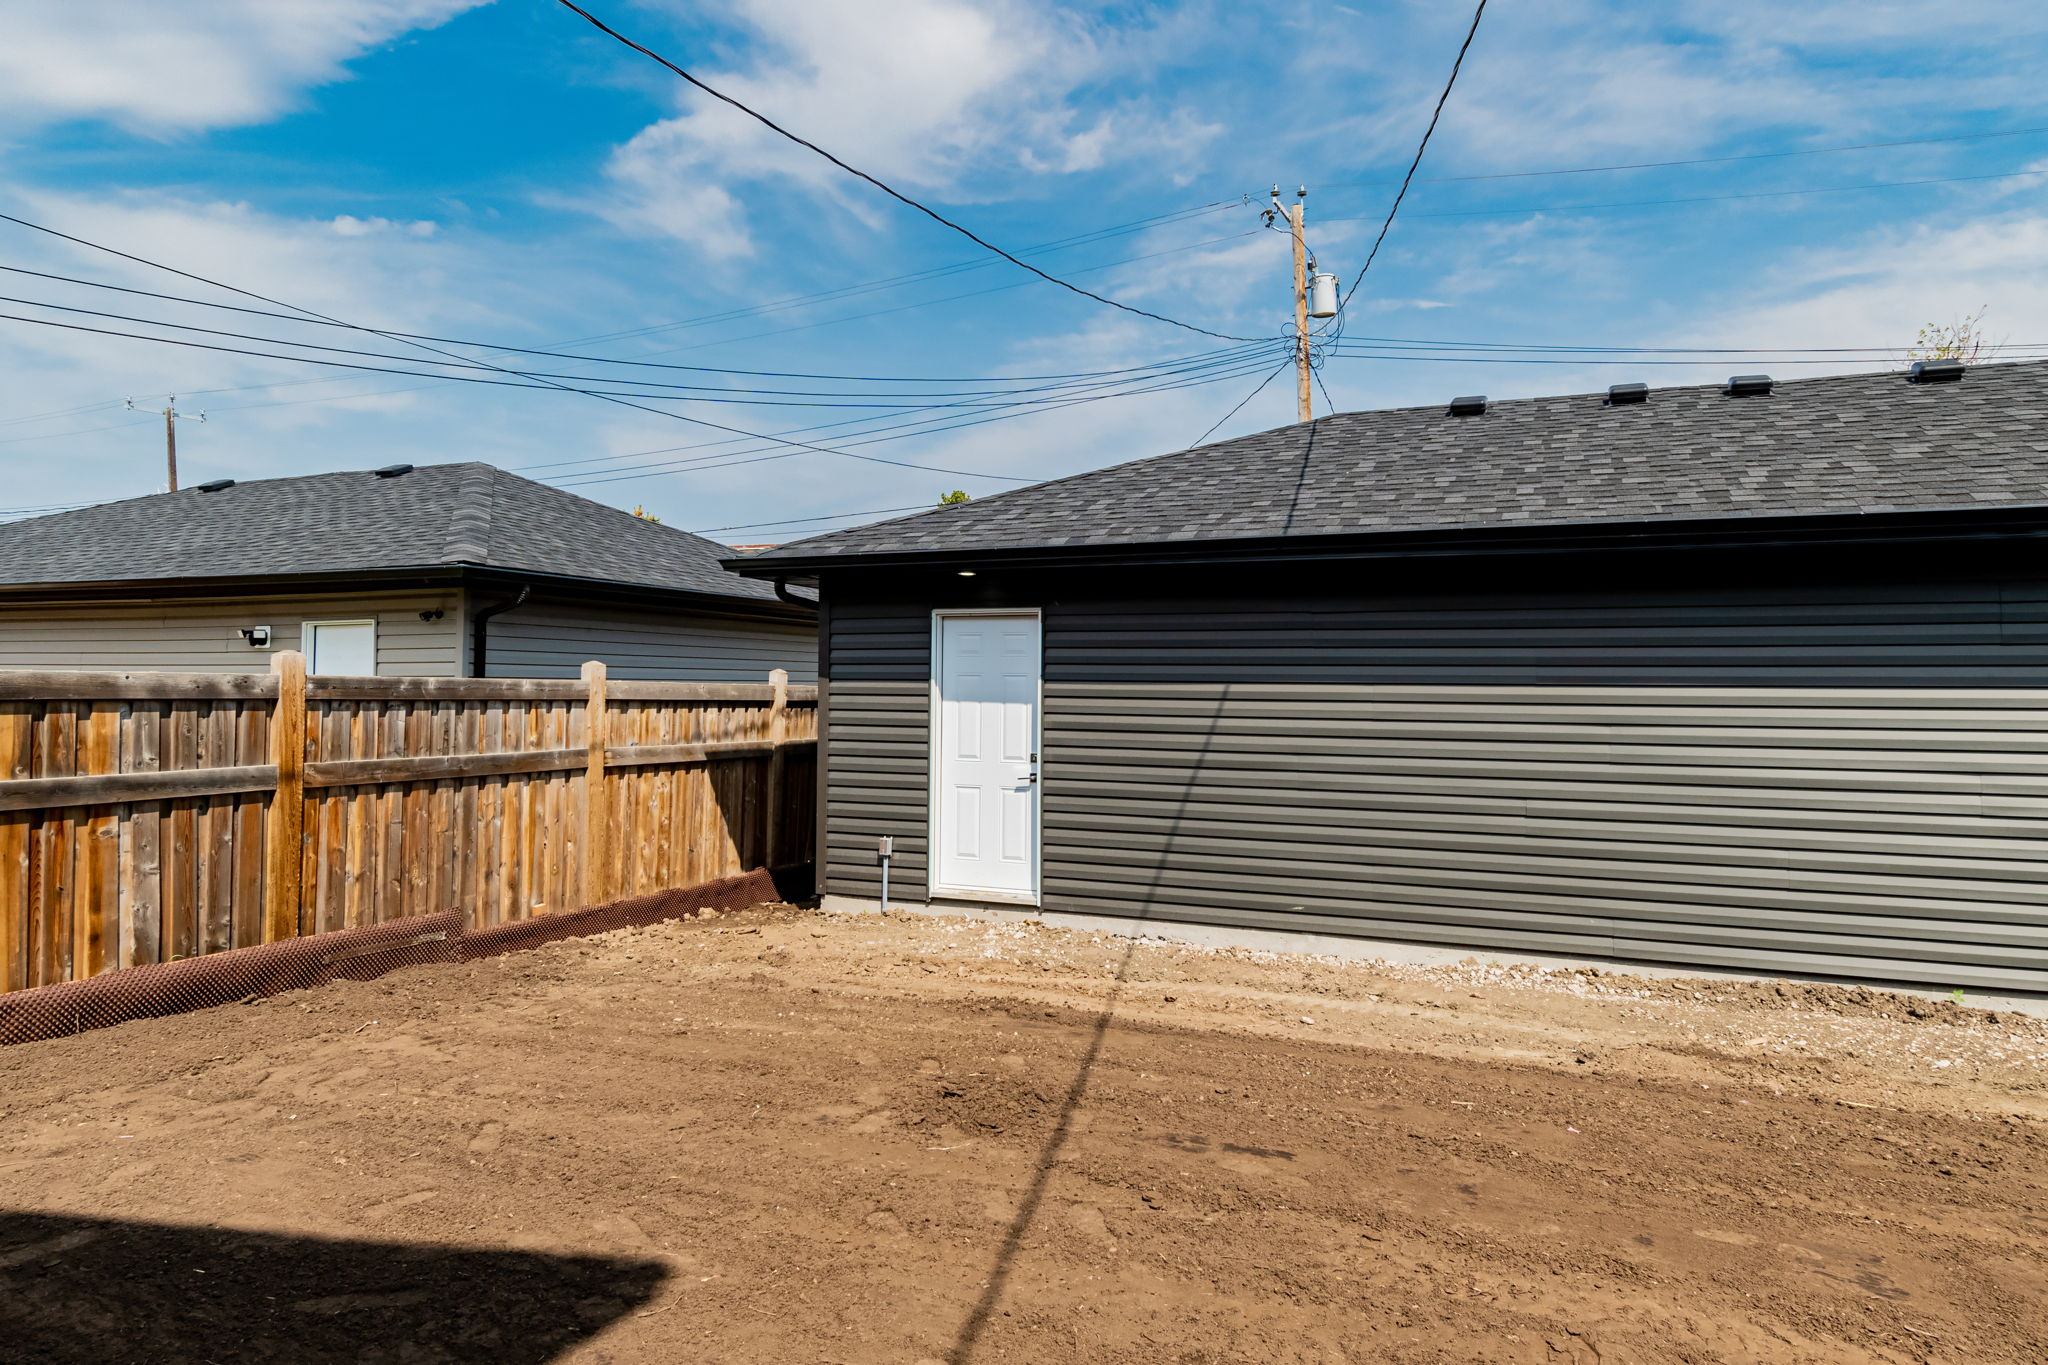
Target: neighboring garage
x,y
1747,677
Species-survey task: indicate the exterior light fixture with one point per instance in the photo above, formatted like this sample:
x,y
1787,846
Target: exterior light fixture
x,y
967,573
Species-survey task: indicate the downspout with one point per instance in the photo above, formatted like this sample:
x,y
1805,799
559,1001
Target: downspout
x,y
480,631
782,591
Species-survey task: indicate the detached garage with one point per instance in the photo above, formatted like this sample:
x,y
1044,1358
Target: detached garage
x,y
1743,676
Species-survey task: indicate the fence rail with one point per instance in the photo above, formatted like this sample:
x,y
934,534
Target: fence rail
x,y
149,817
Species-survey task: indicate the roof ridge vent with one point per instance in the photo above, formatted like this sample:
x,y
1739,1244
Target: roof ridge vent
x,y
215,485
1471,405
1748,385
1620,395
392,471
1936,372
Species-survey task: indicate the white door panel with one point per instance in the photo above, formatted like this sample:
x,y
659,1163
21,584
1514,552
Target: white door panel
x,y
985,750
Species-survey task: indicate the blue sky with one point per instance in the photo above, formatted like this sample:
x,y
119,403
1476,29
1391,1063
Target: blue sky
x,y
497,172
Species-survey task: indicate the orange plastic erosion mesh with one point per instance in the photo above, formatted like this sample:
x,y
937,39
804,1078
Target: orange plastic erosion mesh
x,y
354,954
195,983
746,890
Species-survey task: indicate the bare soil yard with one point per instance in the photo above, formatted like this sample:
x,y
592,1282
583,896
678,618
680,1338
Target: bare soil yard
x,y
779,1137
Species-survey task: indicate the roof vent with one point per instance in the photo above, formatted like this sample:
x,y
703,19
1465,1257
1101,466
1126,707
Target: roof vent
x,y
1748,385
1471,405
215,485
1936,372
392,471
1619,394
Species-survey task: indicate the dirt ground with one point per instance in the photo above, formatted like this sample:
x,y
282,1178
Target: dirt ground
x,y
782,1137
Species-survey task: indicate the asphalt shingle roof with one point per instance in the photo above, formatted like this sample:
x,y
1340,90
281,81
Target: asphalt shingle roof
x,y
1851,443
434,516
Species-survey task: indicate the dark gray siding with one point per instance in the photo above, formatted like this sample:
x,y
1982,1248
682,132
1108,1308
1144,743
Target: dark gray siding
x,y
878,722
1846,779
554,639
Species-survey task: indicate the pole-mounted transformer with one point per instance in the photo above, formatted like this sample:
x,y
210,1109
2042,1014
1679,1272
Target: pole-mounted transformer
x,y
1322,296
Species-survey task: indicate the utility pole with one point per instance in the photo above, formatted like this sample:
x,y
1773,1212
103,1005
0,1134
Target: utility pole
x,y
1315,295
1303,410
171,416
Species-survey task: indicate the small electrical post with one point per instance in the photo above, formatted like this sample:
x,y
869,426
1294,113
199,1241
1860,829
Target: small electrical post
x,y
885,847
171,416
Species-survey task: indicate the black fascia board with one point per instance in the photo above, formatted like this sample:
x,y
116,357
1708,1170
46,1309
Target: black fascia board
x,y
1564,537
430,576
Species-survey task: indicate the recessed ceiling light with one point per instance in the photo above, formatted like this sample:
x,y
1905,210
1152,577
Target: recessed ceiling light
x,y
967,573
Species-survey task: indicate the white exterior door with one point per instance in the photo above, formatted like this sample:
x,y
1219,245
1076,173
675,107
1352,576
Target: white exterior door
x,y
984,819
344,647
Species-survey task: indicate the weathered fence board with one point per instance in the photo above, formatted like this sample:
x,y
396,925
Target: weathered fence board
x,y
149,817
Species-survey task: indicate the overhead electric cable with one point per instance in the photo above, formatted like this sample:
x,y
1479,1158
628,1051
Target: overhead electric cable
x,y
1697,160
1701,198
827,516
1472,359
505,348
502,383
1420,147
1240,404
689,392
1225,366
612,398
1664,350
921,427
893,193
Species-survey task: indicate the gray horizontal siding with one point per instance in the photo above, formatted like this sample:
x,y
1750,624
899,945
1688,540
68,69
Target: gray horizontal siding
x,y
554,640
878,723
1977,634
1870,833
1848,780
205,636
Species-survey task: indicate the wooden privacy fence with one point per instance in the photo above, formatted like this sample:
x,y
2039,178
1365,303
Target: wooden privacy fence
x,y
146,817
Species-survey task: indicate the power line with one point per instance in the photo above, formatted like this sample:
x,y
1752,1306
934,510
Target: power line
x,y
1471,359
1699,160
1240,404
607,397
1054,402
1225,364
1703,198
50,435
893,193
501,383
921,427
504,348
1665,350
1420,148
827,516
913,277
695,393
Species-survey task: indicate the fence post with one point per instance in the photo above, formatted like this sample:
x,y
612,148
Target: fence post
x,y
596,823
284,831
778,764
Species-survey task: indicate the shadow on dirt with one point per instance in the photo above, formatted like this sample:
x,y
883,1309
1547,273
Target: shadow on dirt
x,y
75,1291
1001,1270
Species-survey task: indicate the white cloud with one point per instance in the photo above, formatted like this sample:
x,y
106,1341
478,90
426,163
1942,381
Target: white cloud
x,y
179,67
1879,290
347,225
266,416
921,93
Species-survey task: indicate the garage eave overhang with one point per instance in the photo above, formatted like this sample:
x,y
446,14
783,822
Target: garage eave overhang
x,y
398,578
1693,533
